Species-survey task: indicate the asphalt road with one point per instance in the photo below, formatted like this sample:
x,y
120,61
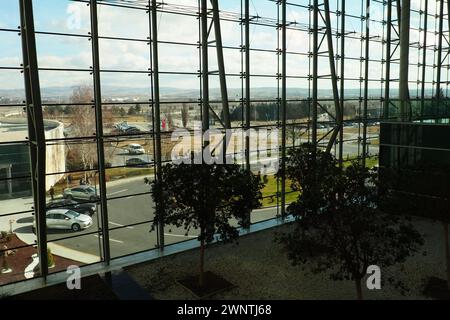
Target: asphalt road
x,y
129,210
136,211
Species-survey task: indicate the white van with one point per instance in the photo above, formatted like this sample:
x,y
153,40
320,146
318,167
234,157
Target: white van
x,y
135,148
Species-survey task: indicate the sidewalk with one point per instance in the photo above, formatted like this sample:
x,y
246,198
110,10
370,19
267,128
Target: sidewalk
x,y
8,206
21,226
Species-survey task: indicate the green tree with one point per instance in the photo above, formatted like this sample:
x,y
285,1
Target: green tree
x,y
338,226
184,115
206,198
132,111
53,111
83,125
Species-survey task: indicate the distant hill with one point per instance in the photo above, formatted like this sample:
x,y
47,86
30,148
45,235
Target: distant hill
x,y
177,93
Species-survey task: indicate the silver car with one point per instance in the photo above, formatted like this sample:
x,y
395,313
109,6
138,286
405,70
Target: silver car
x,y
81,192
66,219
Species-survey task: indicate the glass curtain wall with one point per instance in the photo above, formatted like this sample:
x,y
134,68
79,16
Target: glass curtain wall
x,y
306,70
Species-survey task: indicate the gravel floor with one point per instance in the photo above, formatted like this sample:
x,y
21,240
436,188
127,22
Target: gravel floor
x,y
260,270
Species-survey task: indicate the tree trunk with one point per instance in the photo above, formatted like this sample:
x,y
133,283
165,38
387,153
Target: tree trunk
x,y
447,253
202,264
359,294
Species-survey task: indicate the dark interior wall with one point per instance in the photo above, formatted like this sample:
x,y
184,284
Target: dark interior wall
x,y
414,144
18,155
415,158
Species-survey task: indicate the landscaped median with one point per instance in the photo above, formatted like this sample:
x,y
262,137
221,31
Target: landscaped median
x,y
21,264
19,244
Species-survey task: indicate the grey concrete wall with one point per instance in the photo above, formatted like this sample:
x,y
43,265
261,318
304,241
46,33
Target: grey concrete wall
x,y
56,154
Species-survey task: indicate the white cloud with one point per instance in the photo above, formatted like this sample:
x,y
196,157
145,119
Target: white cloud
x,y
71,52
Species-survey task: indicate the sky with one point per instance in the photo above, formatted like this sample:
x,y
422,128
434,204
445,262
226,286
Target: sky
x,y
75,52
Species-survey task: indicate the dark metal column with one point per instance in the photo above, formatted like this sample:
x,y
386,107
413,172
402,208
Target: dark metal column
x,y
247,83
366,83
36,129
334,78
399,14
405,113
387,79
283,107
439,57
157,107
342,88
99,129
221,65
315,54
205,71
424,60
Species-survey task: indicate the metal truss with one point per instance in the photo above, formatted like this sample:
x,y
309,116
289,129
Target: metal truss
x,y
328,34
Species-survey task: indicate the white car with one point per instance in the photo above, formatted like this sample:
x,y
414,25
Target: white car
x,y
66,219
135,148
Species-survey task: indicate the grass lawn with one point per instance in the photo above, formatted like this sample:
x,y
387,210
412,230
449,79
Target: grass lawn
x,y
269,192
370,162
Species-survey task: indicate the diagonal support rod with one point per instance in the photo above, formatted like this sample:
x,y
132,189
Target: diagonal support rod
x,y
35,129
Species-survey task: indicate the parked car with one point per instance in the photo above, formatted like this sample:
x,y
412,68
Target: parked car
x,y
66,219
136,162
83,207
135,148
81,192
124,127
132,130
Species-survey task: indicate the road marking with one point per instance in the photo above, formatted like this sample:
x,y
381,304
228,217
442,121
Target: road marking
x,y
179,235
119,225
110,239
29,273
117,192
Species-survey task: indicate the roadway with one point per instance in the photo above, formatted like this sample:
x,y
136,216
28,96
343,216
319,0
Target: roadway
x,y
129,216
126,210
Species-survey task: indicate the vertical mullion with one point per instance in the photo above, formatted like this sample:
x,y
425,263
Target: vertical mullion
x,y
205,71
387,78
342,88
315,71
247,84
157,109
439,49
283,107
99,129
366,82
424,60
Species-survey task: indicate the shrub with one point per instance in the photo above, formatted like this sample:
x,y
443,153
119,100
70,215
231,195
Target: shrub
x,y
5,236
50,259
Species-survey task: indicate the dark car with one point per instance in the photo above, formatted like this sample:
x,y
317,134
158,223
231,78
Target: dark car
x,y
132,130
83,208
136,162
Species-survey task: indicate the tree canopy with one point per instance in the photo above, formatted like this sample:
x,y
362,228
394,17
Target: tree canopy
x,y
339,227
206,197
